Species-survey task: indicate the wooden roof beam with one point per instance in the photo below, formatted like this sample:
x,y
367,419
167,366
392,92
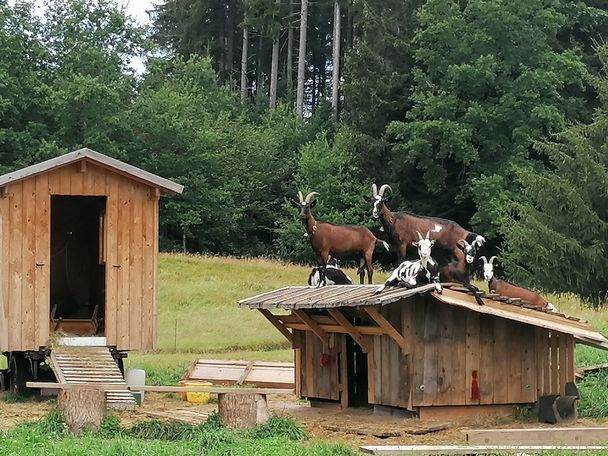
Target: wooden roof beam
x,y
390,329
313,325
337,329
349,328
277,324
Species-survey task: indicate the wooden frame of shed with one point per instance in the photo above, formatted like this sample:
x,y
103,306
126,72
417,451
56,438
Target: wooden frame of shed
x,y
432,353
109,224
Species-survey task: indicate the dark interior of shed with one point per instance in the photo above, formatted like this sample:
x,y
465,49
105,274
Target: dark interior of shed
x,y
77,264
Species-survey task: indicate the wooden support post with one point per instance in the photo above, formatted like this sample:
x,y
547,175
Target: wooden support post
x,y
82,408
390,329
277,324
242,411
313,325
349,328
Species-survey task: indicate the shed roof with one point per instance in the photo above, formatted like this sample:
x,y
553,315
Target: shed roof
x,y
97,158
304,297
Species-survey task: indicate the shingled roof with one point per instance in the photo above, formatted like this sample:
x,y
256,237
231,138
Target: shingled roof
x,y
96,158
304,297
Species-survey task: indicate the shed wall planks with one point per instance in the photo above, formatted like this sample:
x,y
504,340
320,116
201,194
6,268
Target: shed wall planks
x,y
131,244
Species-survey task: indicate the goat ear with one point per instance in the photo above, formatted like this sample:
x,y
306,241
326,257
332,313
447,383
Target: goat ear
x,y
313,204
415,243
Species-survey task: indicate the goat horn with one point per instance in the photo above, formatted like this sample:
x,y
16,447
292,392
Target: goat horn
x,y
374,190
419,235
310,196
492,259
384,188
427,234
485,260
301,197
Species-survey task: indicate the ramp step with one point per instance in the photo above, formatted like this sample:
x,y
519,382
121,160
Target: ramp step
x,y
82,365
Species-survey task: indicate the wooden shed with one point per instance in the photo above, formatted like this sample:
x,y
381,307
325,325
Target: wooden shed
x,y
435,354
78,244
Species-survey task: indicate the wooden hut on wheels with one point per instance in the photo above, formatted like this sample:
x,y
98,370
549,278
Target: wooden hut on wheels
x,y
436,354
78,255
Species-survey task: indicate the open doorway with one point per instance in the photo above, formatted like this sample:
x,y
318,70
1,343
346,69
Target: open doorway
x,y
77,264
356,364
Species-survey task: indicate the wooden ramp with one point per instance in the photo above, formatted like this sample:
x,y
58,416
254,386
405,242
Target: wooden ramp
x,y
82,365
226,372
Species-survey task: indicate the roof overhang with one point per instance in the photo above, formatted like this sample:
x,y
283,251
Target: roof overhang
x,y
99,159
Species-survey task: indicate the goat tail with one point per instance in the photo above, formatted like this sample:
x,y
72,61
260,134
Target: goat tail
x,y
384,244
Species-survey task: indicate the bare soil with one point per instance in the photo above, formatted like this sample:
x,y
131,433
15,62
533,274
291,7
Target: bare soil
x,y
354,426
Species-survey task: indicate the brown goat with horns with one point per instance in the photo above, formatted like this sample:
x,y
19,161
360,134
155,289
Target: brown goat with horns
x,y
340,241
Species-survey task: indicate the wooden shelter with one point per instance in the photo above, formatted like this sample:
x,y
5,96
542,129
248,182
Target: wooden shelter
x,y
423,351
78,252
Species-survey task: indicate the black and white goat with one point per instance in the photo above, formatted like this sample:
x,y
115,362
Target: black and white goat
x,y
333,275
410,274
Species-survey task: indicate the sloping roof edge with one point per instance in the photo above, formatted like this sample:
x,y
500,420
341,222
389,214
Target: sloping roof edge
x,y
96,157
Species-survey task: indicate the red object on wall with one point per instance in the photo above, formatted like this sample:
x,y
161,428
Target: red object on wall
x,y
326,360
474,387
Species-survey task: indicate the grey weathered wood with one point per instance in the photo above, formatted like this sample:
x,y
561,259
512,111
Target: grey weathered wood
x,y
97,158
538,436
472,449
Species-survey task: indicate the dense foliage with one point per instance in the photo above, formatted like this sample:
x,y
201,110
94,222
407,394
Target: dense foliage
x,y
472,110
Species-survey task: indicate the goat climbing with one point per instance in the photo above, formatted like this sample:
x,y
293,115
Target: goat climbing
x,y
401,228
504,288
341,241
410,274
333,275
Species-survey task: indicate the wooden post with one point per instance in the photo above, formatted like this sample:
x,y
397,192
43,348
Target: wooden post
x,y
242,411
82,408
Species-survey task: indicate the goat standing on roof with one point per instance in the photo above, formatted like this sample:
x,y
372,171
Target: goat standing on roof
x,y
401,228
341,241
504,288
412,273
333,275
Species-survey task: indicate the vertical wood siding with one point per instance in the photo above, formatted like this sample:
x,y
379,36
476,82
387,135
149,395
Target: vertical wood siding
x,y
131,245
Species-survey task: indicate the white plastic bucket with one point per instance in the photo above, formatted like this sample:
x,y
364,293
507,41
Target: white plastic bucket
x,y
136,377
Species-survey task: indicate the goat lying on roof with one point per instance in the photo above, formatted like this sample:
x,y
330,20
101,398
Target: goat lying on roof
x,y
401,228
341,241
504,288
333,275
410,274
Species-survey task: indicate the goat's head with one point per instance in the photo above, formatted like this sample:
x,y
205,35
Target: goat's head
x,y
488,268
424,245
469,250
304,204
378,198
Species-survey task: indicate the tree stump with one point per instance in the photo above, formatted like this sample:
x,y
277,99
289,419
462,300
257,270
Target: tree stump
x,y
82,408
242,411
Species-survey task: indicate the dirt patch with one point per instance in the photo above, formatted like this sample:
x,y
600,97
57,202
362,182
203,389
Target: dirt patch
x,y
14,413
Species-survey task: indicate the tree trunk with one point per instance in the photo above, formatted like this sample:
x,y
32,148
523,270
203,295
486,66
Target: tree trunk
x,y
349,27
259,84
244,65
274,68
230,40
335,76
289,64
242,411
302,59
82,408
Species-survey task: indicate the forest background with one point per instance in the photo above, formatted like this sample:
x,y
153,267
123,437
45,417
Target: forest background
x,y
492,113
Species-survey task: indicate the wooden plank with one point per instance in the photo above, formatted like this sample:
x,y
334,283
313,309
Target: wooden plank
x,y
500,367
514,352
77,178
313,325
149,255
28,312
554,360
528,365
570,367
5,322
384,324
486,360
446,350
297,371
349,328
277,324
309,342
124,243
418,351
539,436
16,269
112,262
54,182
472,358
156,225
563,363
136,268
42,278
372,370
65,180
161,389
474,449
431,358
459,391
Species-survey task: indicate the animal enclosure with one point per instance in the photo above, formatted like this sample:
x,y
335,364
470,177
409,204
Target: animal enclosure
x,y
423,351
78,252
